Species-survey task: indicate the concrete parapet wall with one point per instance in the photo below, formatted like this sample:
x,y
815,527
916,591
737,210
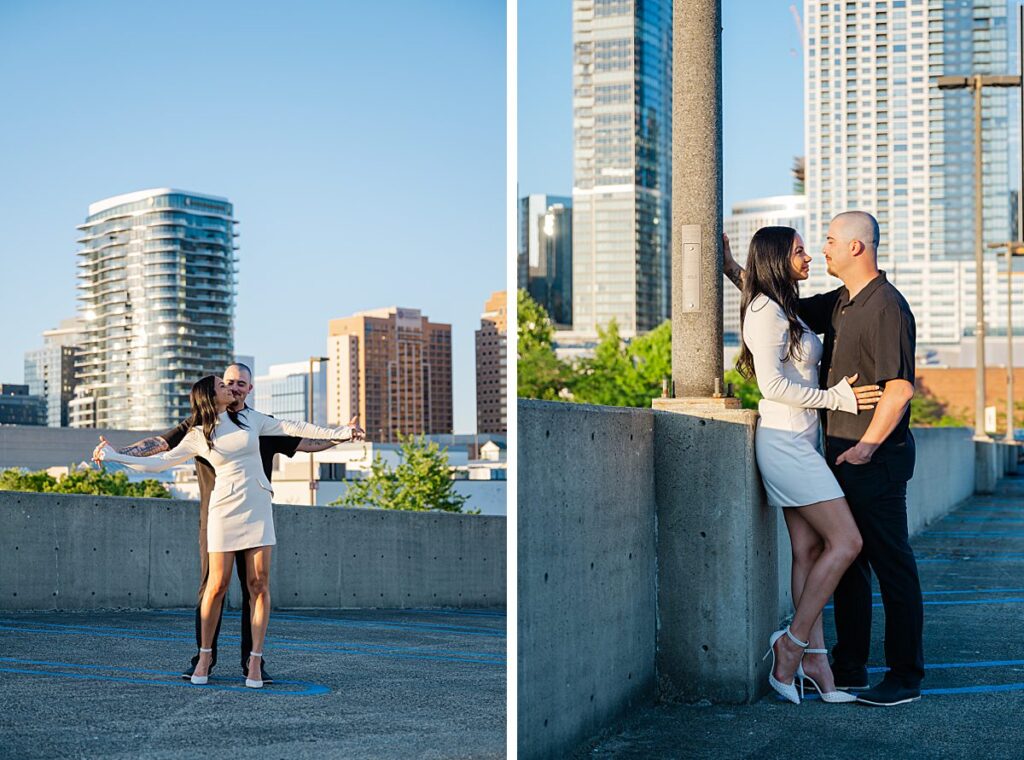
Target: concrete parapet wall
x,y
84,552
943,474
631,516
988,466
587,609
717,557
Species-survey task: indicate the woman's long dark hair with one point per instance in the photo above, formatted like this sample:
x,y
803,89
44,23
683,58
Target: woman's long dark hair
x,y
203,398
770,273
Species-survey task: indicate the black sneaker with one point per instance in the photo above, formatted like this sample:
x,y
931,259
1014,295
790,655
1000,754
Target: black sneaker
x,y
888,693
267,678
851,680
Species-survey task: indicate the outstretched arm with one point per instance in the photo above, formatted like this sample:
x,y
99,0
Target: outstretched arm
x,y
273,426
184,451
144,448
312,445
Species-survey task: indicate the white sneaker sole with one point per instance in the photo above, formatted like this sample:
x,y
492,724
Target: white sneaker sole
x,y
863,701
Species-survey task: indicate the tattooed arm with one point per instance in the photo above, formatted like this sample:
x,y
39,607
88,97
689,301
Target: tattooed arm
x,y
730,268
313,444
145,448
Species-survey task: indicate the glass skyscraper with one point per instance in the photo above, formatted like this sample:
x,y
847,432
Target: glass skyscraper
x,y
622,180
881,137
157,272
545,254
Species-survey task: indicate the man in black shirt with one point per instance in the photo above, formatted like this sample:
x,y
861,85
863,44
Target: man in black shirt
x,y
238,377
868,325
869,329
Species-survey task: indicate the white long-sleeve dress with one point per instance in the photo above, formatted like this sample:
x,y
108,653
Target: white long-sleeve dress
x,y
241,516
787,443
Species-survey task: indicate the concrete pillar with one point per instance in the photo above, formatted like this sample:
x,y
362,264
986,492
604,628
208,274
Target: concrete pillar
x,y
718,586
988,466
696,197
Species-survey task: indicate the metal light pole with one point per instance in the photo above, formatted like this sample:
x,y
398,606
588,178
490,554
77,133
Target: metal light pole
x,y
976,84
309,418
1013,248
697,360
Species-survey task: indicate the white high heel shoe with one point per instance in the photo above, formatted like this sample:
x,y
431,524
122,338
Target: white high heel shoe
x,y
252,683
201,680
787,690
834,697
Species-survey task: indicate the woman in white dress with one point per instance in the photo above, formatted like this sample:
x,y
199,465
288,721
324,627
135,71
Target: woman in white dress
x,y
241,517
783,354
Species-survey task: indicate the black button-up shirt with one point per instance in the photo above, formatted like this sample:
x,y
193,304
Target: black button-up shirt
x,y
873,335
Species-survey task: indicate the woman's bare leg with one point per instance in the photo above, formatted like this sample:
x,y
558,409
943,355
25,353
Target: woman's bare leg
x,y
213,599
807,547
832,521
257,566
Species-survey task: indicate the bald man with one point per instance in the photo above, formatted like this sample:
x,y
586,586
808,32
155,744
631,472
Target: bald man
x,y
869,329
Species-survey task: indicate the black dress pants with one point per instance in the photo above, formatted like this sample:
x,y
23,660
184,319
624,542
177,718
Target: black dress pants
x,y
877,495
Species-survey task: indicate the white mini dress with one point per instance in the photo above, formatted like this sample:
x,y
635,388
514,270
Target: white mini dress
x,y
787,442
241,515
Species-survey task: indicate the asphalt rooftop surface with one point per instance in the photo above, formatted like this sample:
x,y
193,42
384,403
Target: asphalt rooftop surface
x,y
351,684
972,573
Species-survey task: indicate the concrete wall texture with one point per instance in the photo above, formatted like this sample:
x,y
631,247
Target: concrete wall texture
x,y
587,607
86,552
649,562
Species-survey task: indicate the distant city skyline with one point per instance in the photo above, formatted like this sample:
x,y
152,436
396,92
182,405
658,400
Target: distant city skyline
x,y
302,119
762,98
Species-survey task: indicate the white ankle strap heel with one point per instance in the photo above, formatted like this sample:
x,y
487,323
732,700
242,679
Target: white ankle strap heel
x,y
201,680
835,697
255,683
787,690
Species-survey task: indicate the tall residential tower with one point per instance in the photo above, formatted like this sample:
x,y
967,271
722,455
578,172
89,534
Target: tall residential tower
x,y
881,137
492,365
156,288
392,367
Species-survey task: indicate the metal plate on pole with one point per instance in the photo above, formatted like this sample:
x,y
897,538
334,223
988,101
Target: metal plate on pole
x,y
689,240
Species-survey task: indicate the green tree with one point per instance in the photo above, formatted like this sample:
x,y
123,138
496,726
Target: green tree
x,y
421,481
928,411
88,481
541,374
624,373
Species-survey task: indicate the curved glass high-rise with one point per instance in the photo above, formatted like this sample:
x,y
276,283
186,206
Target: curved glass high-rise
x,y
157,273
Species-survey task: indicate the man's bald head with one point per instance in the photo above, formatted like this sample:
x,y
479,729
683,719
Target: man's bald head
x,y
857,225
851,246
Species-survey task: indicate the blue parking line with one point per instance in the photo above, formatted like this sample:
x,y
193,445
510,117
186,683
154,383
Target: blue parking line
x,y
956,665
190,636
293,647
984,520
309,689
947,602
462,630
1007,558
465,613
976,689
946,691
974,534
972,591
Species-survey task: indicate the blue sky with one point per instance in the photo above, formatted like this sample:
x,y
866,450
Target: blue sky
x,y
762,93
362,144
